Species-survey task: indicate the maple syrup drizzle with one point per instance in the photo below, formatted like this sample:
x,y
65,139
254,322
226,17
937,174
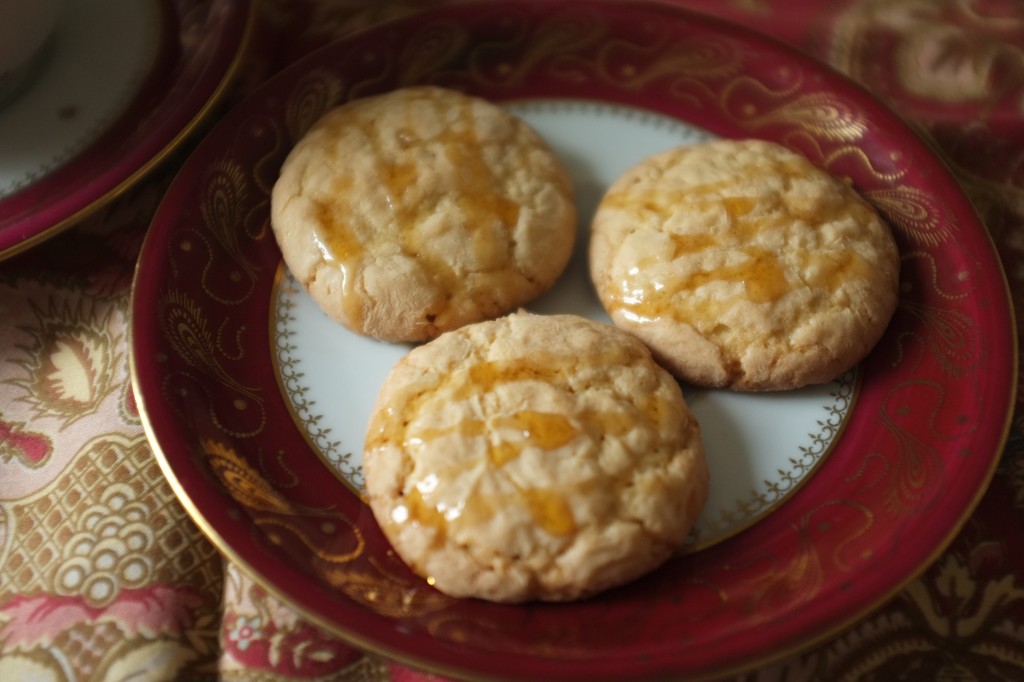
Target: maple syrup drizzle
x,y
760,270
506,437
481,208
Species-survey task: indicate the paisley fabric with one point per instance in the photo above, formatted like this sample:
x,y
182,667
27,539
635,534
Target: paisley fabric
x,y
103,576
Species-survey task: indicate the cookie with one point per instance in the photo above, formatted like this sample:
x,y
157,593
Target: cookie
x,y
744,266
533,457
414,212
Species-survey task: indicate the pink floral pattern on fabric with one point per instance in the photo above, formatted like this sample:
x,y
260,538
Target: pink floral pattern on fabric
x,y
28,448
150,612
261,633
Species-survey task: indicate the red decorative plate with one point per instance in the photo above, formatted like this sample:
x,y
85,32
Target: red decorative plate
x,y
122,85
915,452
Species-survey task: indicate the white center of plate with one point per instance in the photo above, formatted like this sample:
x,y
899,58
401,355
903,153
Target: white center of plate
x,y
761,447
93,66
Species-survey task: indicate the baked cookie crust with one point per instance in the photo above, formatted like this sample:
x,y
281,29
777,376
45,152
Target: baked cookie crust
x,y
414,212
533,458
744,266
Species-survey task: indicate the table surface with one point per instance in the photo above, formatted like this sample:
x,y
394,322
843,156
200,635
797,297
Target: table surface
x,y
73,451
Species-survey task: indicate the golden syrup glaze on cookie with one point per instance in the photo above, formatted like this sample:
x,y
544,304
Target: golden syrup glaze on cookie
x,y
344,238
547,508
766,275
506,436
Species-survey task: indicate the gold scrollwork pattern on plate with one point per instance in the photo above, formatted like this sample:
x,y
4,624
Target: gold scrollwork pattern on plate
x,y
334,544
292,383
223,205
244,483
384,591
950,336
571,47
694,63
821,115
910,465
915,213
427,53
314,94
187,329
772,492
277,514
794,572
914,467
551,46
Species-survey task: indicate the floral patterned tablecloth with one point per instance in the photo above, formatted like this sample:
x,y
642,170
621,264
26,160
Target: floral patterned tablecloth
x,y
103,576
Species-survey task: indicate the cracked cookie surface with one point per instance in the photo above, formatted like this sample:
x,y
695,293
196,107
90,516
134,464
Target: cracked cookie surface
x,y
414,212
744,266
533,458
